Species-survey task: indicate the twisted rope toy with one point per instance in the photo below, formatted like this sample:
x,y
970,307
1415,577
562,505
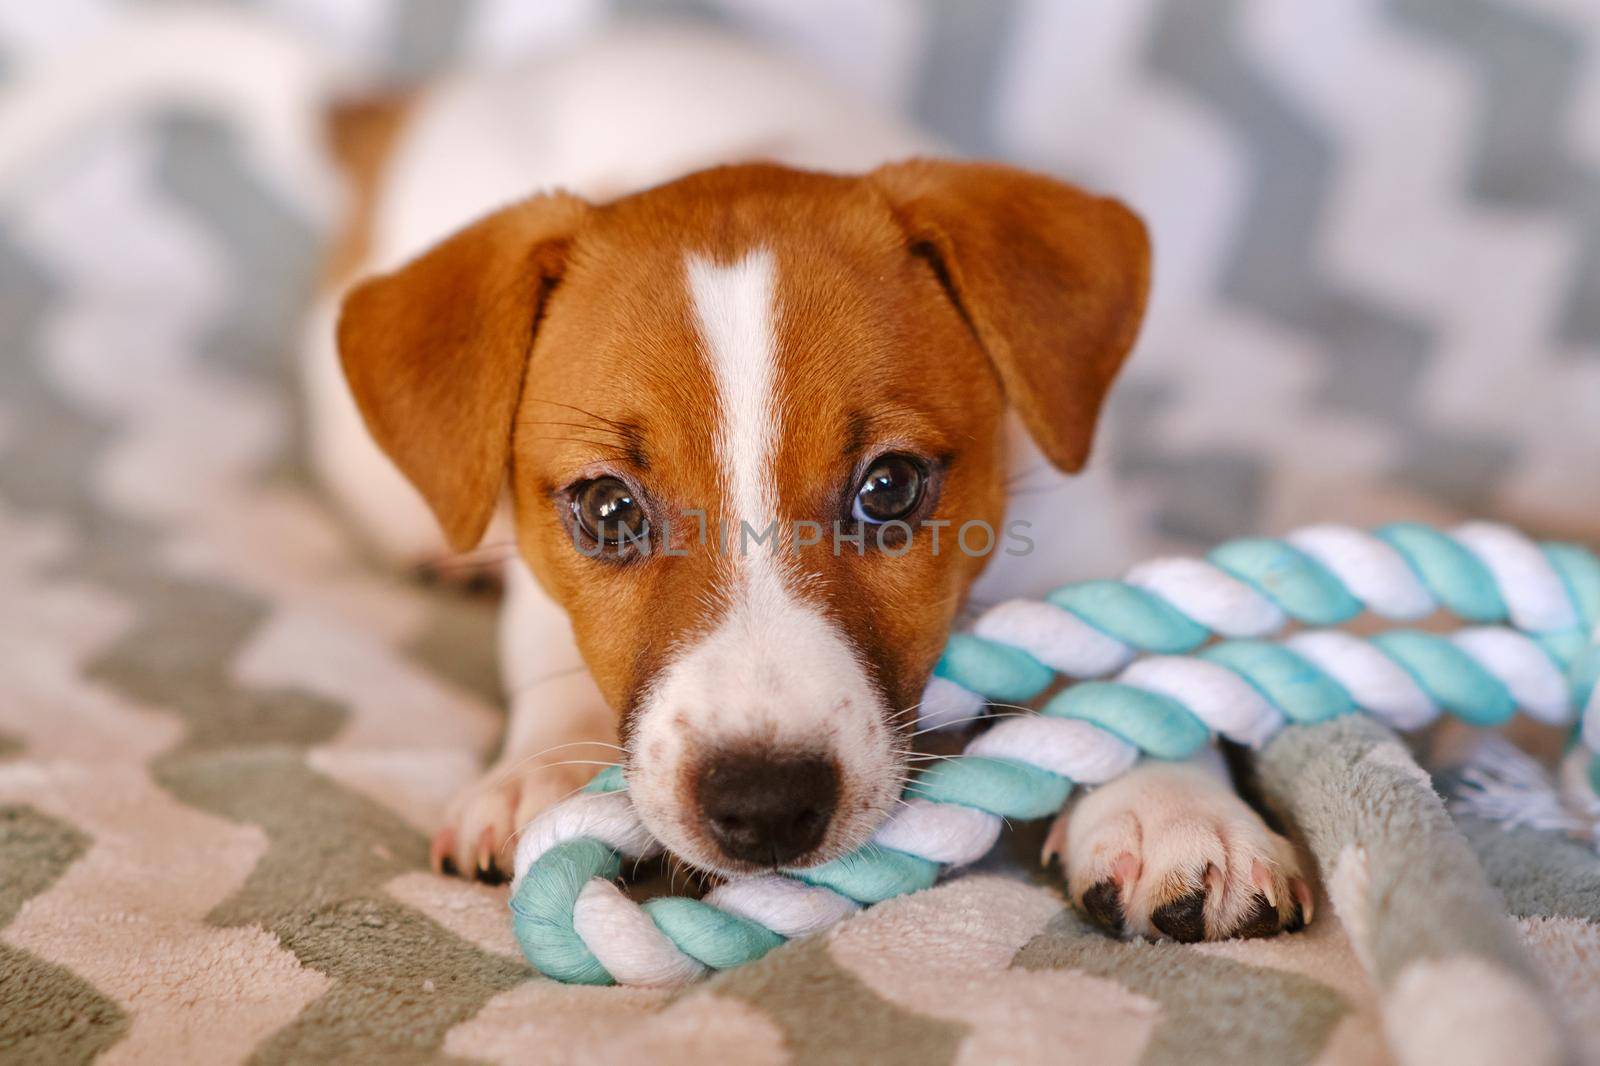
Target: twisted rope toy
x,y
1533,643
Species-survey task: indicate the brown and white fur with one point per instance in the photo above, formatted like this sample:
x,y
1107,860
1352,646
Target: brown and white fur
x,y
740,339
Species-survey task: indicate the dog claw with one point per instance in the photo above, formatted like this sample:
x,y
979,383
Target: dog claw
x,y
1125,870
1305,901
485,857
1261,877
441,852
478,835
1055,843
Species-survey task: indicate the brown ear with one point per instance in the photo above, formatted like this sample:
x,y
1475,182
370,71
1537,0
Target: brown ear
x,y
435,354
1051,280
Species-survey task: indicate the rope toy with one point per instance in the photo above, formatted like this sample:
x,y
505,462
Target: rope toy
x,y
1532,641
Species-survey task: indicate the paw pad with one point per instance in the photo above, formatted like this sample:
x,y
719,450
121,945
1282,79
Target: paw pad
x,y
1184,918
1103,904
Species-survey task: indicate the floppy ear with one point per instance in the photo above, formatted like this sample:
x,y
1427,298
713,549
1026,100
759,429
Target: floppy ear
x,y
435,354
1052,281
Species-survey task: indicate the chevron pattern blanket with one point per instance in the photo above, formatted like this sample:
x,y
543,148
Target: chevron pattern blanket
x,y
224,734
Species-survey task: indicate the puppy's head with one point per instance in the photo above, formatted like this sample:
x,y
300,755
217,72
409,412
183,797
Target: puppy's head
x,y
734,413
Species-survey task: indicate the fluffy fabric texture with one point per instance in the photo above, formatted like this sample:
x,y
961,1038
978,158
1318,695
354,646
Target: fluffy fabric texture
x,y
223,738
1453,983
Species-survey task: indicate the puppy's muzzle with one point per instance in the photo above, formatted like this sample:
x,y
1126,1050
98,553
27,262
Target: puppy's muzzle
x,y
766,807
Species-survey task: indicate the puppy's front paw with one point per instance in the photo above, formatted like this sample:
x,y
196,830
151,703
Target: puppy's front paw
x,y
1170,851
476,840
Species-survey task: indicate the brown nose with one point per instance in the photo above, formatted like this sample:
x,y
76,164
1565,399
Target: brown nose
x,y
767,809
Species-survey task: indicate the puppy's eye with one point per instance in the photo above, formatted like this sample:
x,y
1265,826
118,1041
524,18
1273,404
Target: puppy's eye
x,y
891,490
608,512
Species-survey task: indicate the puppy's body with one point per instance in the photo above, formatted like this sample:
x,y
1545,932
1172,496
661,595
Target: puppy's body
x,y
743,342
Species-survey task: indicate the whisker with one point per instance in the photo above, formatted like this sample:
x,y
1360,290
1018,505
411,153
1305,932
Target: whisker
x,y
615,451
586,427
622,426
943,726
505,773
570,744
896,718
929,757
515,833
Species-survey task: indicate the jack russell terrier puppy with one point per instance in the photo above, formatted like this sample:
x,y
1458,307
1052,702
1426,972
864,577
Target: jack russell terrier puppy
x,y
725,408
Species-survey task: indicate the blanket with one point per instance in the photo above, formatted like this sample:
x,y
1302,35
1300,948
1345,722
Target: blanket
x,y
225,734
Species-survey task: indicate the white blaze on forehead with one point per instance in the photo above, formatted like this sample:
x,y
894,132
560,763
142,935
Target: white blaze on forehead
x,y
770,667
734,307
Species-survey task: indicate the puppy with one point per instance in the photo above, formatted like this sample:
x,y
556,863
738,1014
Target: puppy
x,y
726,408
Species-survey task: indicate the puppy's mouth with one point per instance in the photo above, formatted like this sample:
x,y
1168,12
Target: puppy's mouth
x,y
744,807
764,744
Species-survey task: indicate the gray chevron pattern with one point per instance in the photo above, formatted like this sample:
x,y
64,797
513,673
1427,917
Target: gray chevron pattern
x,y
1273,267
224,736
1534,68
1375,354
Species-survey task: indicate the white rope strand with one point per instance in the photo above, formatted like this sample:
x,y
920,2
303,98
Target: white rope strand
x,y
1075,750
1216,599
625,940
1369,569
1535,596
789,908
1220,698
1376,682
943,832
1058,638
